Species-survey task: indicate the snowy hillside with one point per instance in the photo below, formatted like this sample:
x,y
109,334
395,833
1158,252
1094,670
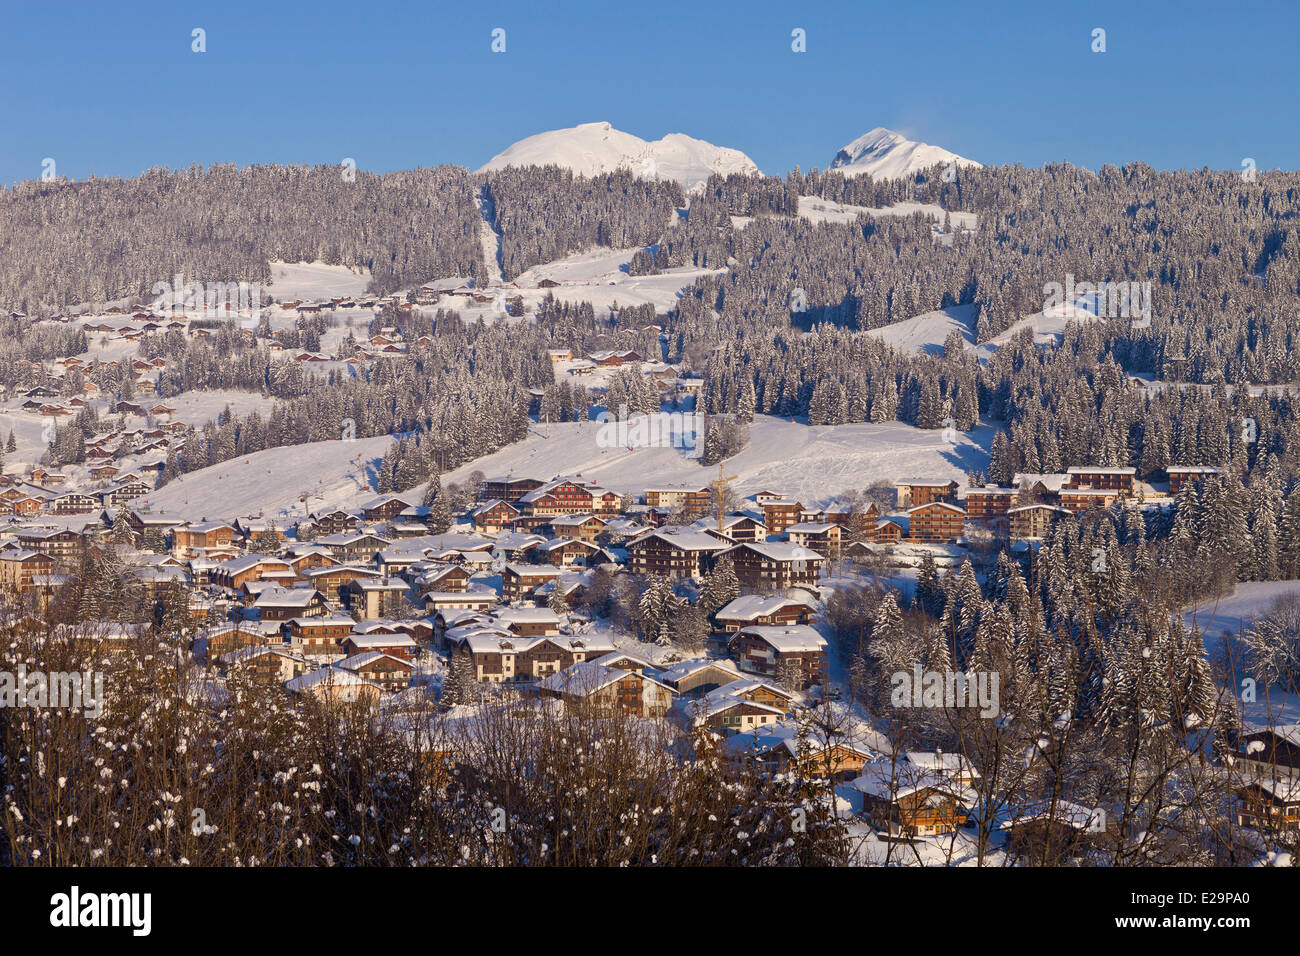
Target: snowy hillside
x,y
887,155
594,148
811,463
273,483
315,280
808,462
928,332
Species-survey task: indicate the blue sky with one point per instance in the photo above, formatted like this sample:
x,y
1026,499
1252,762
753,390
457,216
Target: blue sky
x,y
397,85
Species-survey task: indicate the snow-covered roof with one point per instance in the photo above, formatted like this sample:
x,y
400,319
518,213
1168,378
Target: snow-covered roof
x,y
608,660
779,551
382,640
687,540
322,620
561,543
684,669
344,538
1052,481
792,639
365,658
566,521
587,677
889,782
747,607
937,504
812,527
383,500
526,615
709,705
326,676
1070,814
248,561
286,597
495,641
533,570
939,761
1030,507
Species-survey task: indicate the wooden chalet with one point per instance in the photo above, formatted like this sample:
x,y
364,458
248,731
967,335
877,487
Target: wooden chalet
x,y
936,522
795,652
913,492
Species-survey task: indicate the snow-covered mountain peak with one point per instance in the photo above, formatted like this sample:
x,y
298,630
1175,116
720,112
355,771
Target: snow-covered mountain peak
x,y
886,154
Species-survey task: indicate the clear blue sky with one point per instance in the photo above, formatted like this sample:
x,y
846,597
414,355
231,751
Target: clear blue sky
x,y
397,85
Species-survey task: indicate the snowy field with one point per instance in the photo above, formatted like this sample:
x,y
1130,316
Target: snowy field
x,y
927,332
808,462
315,280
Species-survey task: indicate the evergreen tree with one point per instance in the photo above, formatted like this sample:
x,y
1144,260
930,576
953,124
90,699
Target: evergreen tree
x,y
929,592
720,587
272,542
656,607
460,684
440,516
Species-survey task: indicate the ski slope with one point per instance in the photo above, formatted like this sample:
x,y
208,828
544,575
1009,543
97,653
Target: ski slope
x,y
272,483
807,462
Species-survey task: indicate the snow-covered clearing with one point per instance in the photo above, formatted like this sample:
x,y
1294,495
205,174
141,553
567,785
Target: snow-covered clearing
x,y
928,332
200,407
315,280
599,276
816,209
1239,610
490,238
